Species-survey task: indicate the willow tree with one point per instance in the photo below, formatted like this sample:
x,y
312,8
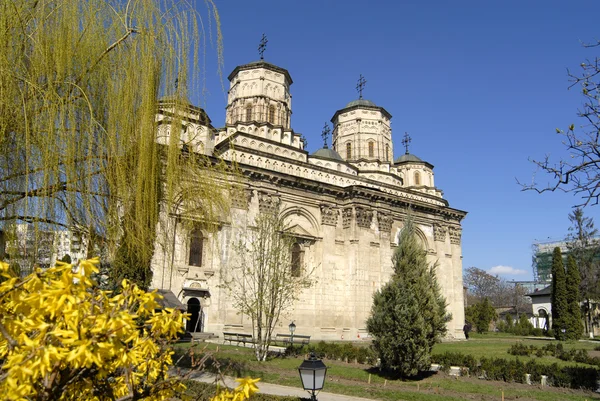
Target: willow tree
x,y
79,86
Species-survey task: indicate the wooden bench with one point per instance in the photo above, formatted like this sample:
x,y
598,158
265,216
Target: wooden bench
x,y
286,339
238,338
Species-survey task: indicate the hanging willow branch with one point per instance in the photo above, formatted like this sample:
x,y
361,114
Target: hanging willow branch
x,y
79,86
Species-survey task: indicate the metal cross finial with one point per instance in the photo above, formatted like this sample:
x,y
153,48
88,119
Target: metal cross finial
x,y
360,86
325,134
406,140
262,46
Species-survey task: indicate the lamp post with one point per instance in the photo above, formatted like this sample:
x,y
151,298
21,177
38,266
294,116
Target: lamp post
x,y
312,373
292,328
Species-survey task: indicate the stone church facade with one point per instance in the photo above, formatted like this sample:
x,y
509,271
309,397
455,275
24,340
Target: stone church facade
x,y
344,205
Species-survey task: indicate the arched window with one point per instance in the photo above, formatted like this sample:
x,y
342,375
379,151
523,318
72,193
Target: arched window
x,y
387,153
196,245
417,178
348,150
272,114
371,149
297,260
249,112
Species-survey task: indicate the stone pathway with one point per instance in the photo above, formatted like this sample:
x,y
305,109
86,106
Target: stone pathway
x,y
276,389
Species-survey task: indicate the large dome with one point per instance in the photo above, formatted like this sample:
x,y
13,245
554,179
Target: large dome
x,y
327,153
361,102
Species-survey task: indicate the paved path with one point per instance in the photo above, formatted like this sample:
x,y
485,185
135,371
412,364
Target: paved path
x,y
276,389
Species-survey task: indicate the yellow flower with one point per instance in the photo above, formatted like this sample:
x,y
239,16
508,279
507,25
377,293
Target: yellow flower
x,y
247,386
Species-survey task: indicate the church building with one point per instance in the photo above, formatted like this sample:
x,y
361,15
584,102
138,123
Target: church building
x,y
344,205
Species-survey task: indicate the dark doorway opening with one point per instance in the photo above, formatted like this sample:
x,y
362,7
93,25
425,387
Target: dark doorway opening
x,y
194,325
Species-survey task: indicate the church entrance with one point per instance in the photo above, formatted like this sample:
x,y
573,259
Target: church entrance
x,y
195,324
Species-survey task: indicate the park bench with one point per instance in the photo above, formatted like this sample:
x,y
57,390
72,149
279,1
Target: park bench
x,y
238,338
286,339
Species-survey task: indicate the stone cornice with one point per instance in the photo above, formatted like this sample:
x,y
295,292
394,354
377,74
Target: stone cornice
x,y
226,143
260,64
355,194
408,193
359,106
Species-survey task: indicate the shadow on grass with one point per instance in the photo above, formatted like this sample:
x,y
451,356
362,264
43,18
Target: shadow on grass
x,y
389,374
207,361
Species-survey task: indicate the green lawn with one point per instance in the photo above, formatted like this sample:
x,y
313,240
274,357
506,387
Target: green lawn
x,y
496,345
353,379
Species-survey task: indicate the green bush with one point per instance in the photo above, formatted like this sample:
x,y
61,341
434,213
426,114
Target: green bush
x,y
514,370
537,332
347,352
521,349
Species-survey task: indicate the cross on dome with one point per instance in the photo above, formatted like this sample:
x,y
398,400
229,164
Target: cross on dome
x,y
360,85
262,46
406,141
325,134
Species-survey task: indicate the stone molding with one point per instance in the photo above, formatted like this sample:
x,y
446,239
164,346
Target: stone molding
x,y
455,234
385,222
241,199
364,217
347,217
268,203
329,214
439,232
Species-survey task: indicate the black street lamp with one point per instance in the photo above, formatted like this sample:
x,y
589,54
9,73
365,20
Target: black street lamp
x,y
312,373
292,328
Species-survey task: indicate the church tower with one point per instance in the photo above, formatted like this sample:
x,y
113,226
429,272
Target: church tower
x,y
362,131
259,92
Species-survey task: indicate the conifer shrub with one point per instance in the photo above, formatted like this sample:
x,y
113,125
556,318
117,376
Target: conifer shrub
x,y
408,315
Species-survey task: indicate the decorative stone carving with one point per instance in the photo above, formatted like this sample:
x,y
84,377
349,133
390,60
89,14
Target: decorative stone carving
x,y
329,215
182,269
455,233
439,232
241,199
364,217
347,217
268,203
385,222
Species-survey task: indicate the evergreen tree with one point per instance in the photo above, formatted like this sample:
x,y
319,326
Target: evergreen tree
x,y
575,324
408,315
482,314
559,296
584,248
523,327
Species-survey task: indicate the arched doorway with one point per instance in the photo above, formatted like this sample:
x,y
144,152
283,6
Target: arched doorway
x,y
543,317
194,325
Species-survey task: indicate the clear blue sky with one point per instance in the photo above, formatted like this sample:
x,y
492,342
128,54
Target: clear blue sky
x,y
479,85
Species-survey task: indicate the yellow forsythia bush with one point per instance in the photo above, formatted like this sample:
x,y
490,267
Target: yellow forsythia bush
x,y
242,392
61,338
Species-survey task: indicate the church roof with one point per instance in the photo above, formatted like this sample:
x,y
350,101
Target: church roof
x,y
361,102
327,153
539,293
407,157
260,64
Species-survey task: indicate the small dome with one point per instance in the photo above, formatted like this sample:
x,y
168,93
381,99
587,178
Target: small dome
x,y
327,153
361,102
407,157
